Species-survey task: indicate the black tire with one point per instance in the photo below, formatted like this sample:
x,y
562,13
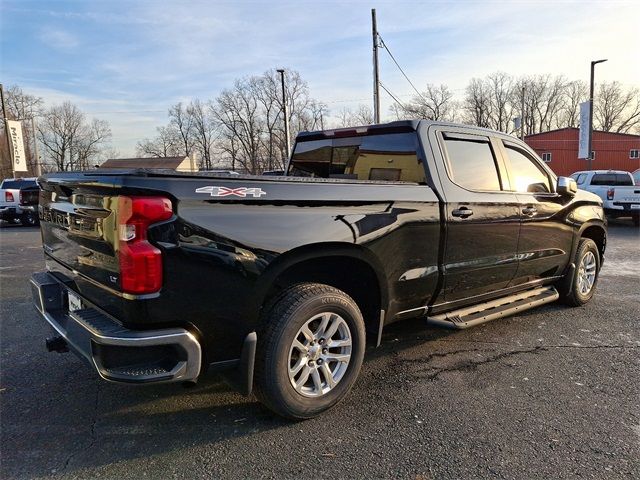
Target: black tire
x,y
573,296
281,322
29,219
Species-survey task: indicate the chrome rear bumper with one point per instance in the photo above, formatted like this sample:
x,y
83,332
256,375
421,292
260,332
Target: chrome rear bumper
x,y
117,353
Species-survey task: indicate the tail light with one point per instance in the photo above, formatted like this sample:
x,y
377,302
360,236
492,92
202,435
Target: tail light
x,y
8,197
140,262
610,193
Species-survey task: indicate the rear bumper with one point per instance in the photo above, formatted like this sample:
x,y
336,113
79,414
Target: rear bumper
x,y
8,213
118,354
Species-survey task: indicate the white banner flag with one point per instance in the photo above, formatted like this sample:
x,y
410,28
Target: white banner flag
x,y
583,145
17,146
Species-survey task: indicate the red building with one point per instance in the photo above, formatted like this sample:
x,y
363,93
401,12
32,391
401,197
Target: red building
x,y
559,148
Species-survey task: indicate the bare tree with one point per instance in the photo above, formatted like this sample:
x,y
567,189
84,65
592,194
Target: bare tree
x,y
362,115
434,103
477,104
238,113
616,110
500,86
575,93
182,123
203,131
68,140
165,144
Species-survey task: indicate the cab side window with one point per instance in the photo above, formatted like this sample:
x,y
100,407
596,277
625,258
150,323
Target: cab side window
x,y
526,175
472,164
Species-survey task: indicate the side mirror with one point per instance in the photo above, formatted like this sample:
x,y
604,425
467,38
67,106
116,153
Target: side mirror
x,y
566,186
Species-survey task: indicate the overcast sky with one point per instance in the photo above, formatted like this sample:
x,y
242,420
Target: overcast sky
x,y
126,61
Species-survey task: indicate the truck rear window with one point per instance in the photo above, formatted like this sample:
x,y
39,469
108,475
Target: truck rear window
x,y
392,156
612,179
18,184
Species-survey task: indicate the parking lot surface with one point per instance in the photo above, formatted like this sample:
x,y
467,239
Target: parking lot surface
x,y
551,393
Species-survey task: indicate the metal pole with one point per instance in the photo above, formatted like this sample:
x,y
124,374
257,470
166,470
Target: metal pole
x,y
522,116
590,157
286,115
6,129
35,146
376,72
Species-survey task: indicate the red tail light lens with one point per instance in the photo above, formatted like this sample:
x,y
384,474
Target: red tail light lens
x,y
140,262
610,193
8,197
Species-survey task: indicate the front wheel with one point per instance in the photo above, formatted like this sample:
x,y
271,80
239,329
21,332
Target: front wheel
x,y
585,276
310,350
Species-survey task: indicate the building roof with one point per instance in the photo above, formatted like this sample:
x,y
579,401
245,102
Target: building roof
x,y
156,162
577,130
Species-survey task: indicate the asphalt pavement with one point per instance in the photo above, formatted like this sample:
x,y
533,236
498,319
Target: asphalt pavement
x,y
551,393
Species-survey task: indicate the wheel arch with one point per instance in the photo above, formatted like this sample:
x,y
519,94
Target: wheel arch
x,y
351,268
597,232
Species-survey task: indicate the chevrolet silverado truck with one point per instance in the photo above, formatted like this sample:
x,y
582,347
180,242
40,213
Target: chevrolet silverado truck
x,y
157,276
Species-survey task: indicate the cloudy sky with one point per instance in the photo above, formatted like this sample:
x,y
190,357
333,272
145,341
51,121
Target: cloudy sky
x,y
126,61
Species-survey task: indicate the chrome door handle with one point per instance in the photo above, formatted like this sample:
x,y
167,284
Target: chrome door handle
x,y
462,212
529,211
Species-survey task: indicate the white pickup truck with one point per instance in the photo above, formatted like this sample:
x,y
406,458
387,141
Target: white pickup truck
x,y
620,196
17,204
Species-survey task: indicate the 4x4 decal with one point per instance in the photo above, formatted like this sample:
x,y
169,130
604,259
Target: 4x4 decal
x,y
236,192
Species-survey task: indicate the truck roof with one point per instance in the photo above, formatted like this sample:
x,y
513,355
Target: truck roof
x,y
398,126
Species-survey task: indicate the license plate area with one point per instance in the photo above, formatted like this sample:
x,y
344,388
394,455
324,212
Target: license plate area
x,y
74,301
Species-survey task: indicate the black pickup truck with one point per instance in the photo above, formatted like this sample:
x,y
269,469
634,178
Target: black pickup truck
x,y
279,281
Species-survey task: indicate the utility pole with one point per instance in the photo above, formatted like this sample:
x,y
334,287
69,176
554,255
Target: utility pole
x,y
35,145
376,73
522,116
6,128
593,65
286,114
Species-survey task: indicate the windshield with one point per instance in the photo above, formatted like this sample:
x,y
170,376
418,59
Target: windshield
x,y
390,157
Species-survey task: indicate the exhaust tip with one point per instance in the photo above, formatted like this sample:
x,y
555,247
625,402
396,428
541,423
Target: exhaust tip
x,y
57,344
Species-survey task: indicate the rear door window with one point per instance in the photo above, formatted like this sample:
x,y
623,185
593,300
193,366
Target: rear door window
x,y
471,163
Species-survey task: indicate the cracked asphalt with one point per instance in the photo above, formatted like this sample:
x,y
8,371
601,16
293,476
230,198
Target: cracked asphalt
x,y
553,392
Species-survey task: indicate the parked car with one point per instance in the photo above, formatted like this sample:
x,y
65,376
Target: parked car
x,y
17,197
616,188
160,276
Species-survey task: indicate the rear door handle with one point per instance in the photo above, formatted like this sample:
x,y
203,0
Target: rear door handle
x,y
462,212
529,211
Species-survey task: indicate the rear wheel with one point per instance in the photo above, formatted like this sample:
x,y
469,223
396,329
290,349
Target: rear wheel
x,y
29,219
585,276
310,350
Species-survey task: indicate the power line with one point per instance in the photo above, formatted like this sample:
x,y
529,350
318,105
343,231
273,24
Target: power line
x,y
384,45
391,95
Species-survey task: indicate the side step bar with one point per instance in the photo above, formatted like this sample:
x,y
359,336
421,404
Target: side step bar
x,y
502,307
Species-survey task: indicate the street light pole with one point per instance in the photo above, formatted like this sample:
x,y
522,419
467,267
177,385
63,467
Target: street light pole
x,y
286,115
593,65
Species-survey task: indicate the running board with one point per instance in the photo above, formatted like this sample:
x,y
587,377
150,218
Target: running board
x,y
502,307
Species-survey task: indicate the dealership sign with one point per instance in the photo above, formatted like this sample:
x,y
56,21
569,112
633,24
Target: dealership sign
x,y
17,146
583,146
